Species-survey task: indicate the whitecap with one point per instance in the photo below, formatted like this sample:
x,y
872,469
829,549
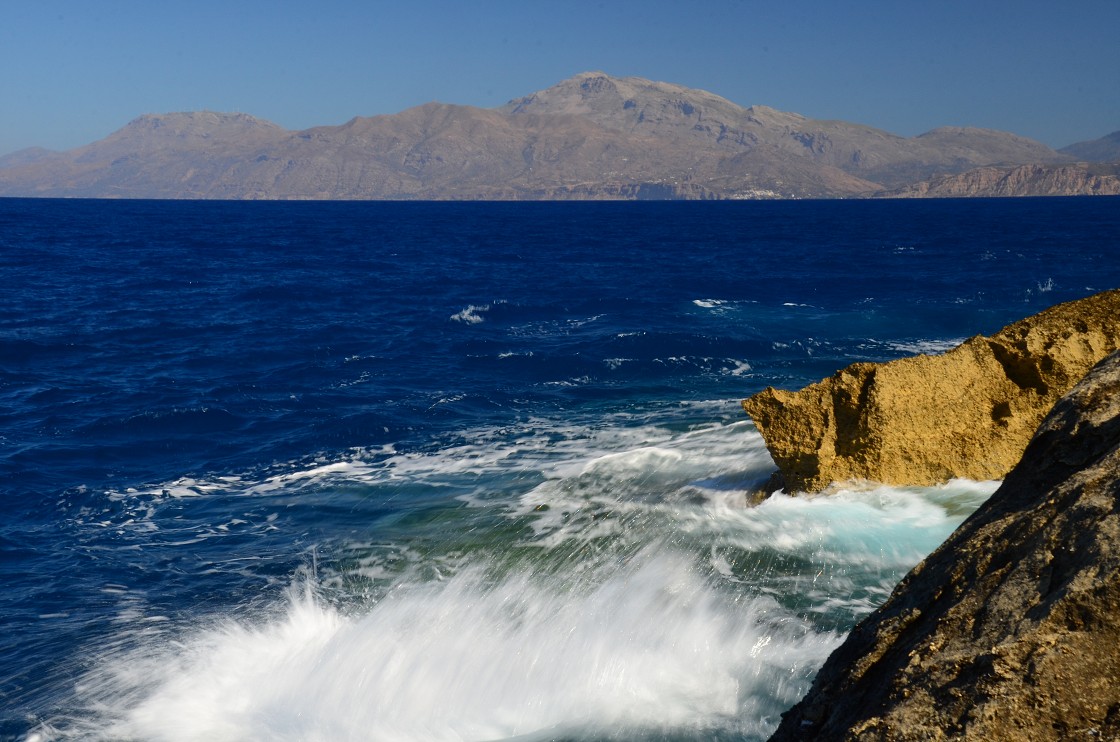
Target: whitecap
x,y
471,315
931,347
738,368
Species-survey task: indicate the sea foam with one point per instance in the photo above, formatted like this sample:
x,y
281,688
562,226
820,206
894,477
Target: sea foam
x,y
645,600
648,646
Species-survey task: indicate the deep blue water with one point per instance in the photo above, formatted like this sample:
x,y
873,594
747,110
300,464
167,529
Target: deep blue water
x,y
461,471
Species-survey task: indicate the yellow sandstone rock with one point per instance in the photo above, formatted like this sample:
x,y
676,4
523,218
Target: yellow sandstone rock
x,y
926,419
1010,630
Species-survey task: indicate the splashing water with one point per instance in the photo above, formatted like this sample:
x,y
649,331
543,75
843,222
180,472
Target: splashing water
x,y
649,648
643,600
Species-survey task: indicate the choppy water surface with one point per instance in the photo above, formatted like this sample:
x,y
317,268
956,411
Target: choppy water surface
x,y
461,471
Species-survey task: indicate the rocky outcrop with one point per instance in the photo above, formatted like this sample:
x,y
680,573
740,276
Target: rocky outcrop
x,y
1011,629
1024,180
926,419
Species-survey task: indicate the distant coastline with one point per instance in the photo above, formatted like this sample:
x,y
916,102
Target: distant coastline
x,y
590,137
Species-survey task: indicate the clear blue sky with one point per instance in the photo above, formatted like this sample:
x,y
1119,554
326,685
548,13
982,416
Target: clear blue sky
x,y
73,71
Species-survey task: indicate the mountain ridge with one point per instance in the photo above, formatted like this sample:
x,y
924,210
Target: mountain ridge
x,y
1104,149
590,136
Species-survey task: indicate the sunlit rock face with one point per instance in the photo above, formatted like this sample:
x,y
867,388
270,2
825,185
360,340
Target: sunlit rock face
x,y
1022,180
1011,629
927,419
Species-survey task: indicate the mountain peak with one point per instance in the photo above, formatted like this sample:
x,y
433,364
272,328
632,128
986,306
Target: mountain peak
x,y
1105,149
198,122
597,92
182,131
26,156
639,106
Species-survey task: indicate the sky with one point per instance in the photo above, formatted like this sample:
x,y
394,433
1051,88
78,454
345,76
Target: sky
x,y
74,71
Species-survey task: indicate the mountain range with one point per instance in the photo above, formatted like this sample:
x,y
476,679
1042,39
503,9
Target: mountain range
x,y
587,137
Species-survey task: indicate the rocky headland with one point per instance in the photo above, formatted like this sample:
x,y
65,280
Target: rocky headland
x,y
1081,179
969,412
1011,629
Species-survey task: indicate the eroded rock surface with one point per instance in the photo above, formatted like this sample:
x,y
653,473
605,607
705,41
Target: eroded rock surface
x,y
927,419
1011,629
996,181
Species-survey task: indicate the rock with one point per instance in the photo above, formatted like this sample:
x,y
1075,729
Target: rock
x,y
1025,180
1011,629
927,419
592,136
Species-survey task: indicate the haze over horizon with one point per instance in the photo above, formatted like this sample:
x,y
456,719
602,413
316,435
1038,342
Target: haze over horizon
x,y
77,72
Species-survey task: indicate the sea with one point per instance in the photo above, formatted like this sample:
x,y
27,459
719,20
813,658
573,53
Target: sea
x,y
462,471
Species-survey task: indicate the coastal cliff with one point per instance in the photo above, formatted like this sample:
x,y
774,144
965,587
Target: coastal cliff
x,y
1081,179
1011,629
926,419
